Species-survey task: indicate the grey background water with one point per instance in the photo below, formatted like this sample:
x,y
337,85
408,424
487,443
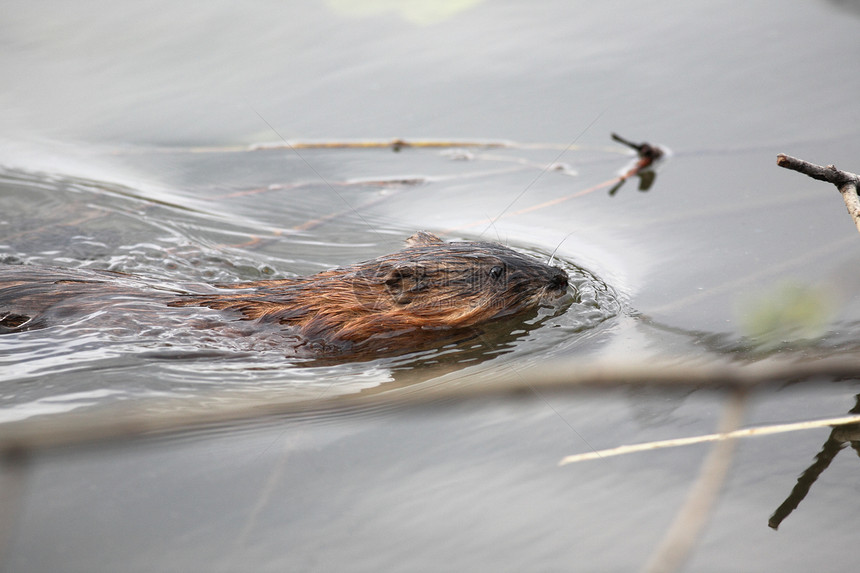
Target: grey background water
x,y
104,113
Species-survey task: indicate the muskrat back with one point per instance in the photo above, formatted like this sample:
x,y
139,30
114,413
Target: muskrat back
x,y
428,290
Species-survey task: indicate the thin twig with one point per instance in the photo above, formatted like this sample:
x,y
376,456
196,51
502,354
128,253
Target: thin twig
x,y
647,156
682,535
393,144
848,183
644,150
755,432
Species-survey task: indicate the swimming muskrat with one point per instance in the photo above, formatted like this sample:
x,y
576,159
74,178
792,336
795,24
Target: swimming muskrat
x,y
428,290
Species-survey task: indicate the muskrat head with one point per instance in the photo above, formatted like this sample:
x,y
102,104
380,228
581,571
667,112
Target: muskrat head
x,y
458,284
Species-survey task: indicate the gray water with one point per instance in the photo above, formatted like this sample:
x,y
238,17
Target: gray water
x,y
149,139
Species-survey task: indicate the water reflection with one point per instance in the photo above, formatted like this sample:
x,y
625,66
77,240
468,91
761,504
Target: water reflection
x,y
840,437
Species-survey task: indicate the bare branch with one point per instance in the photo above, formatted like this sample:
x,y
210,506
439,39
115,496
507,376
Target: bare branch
x,y
123,422
830,173
848,183
644,150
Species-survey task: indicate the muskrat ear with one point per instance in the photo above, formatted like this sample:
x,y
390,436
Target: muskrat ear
x,y
423,238
403,282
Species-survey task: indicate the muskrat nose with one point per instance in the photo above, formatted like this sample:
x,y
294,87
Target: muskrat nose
x,y
559,279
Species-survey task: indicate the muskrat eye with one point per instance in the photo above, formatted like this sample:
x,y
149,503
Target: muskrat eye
x,y
496,272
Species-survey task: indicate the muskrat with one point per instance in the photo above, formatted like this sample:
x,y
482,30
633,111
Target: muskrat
x,y
428,290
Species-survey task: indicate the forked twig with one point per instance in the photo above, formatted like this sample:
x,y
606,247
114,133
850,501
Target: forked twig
x,y
848,183
646,156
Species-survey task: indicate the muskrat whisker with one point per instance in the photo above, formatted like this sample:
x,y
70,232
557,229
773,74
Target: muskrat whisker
x,y
557,247
543,171
316,172
496,229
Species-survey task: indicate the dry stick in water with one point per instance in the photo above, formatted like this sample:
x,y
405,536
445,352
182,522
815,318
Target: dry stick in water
x,y
647,156
684,532
847,183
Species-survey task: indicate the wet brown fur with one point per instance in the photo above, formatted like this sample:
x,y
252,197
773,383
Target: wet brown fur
x,y
389,302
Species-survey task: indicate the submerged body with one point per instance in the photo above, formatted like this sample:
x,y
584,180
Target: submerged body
x,y
427,291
